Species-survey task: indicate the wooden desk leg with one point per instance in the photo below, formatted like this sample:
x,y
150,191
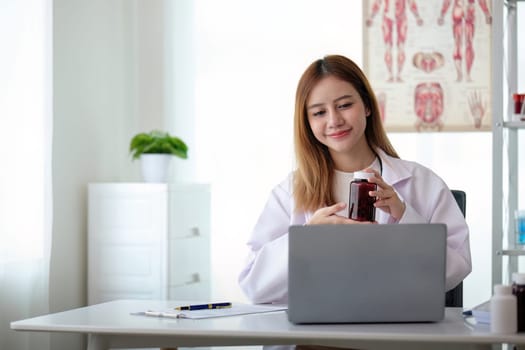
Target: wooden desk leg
x,y
97,342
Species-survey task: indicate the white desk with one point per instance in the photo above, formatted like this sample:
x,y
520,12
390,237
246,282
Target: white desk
x,y
110,325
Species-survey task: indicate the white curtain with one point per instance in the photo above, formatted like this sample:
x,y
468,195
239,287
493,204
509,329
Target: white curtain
x,y
25,171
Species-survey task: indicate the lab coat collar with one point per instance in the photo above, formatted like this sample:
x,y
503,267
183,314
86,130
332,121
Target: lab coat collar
x,y
393,171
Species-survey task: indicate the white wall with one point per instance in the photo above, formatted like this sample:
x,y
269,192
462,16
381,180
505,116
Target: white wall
x,y
247,69
250,56
97,109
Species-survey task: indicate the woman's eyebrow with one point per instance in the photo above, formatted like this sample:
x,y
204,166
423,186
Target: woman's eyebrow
x,y
315,105
322,104
342,98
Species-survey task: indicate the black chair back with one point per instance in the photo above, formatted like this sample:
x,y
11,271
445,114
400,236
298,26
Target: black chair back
x,y
454,297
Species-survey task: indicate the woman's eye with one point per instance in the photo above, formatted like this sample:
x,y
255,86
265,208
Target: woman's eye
x,y
345,105
318,113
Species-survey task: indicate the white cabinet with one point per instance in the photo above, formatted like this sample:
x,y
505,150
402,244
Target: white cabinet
x,y
148,241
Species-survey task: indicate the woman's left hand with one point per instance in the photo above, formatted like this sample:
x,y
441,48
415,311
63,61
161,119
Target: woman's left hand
x,y
386,198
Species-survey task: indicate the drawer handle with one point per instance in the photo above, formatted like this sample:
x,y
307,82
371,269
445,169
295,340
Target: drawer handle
x,y
195,232
195,278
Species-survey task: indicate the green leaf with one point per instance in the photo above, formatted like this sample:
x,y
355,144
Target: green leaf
x,y
157,141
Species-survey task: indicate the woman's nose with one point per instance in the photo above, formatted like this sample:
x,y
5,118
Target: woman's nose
x,y
335,118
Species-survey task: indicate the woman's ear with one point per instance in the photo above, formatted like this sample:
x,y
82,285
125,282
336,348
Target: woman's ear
x,y
367,112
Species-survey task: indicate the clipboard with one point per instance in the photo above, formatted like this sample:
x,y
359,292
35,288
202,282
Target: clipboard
x,y
236,309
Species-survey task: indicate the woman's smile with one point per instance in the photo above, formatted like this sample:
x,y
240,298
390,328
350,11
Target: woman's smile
x,y
339,134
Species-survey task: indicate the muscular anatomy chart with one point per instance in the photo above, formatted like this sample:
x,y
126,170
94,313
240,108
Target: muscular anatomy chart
x,y
394,22
428,104
429,63
463,28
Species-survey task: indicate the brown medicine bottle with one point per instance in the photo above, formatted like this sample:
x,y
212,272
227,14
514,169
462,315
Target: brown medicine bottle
x,y
361,204
518,289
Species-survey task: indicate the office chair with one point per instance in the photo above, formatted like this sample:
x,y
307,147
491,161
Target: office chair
x,y
454,297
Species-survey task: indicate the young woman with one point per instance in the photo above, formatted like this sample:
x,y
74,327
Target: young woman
x,y
337,131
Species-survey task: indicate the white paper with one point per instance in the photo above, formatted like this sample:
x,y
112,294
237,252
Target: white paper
x,y
236,309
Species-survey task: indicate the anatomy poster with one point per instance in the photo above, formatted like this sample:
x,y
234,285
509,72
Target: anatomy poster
x,y
429,62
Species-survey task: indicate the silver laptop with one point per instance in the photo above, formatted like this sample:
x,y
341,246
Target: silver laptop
x,y
366,273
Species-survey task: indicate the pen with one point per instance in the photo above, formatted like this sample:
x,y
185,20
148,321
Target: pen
x,y
467,313
205,306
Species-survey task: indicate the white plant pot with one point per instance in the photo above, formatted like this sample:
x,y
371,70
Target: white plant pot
x,y
155,167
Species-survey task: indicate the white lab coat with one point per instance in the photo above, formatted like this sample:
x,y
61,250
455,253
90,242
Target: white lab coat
x,y
264,278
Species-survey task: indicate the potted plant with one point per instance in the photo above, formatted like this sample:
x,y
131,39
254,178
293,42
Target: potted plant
x,y
155,150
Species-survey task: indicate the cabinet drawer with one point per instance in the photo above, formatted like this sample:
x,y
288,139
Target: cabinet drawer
x,y
109,295
196,291
132,270
189,211
129,260
127,213
187,258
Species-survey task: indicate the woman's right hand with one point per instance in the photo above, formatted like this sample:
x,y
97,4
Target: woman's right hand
x,y
328,215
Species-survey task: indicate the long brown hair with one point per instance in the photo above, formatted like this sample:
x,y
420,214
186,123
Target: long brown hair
x,y
314,175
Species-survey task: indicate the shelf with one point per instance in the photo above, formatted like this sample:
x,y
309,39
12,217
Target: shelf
x,y
514,125
506,137
511,252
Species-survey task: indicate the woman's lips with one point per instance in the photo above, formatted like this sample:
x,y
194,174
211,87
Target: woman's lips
x,y
339,134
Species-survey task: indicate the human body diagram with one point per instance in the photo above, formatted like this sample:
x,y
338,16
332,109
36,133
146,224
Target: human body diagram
x,y
394,18
439,42
463,28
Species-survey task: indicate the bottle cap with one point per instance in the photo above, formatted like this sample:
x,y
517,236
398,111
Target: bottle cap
x,y
502,289
363,175
518,278
518,97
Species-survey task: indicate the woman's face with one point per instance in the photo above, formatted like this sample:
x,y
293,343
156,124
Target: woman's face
x,y
337,117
